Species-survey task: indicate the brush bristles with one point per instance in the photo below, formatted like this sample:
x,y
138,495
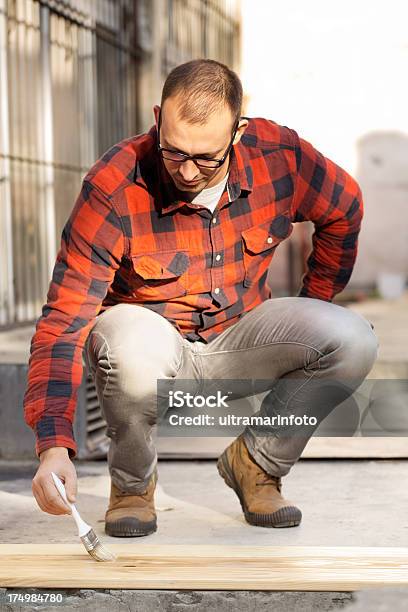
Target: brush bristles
x,y
95,548
100,553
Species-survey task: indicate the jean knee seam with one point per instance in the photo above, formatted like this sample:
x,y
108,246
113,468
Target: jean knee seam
x,y
319,366
105,342
181,361
299,388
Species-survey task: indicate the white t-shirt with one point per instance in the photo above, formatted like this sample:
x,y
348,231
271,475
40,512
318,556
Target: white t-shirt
x,y
210,197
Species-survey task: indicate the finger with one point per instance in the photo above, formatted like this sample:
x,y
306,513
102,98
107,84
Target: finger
x,y
71,487
44,509
38,494
52,497
39,498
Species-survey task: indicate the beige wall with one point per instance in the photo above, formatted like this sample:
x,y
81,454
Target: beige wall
x,y
337,73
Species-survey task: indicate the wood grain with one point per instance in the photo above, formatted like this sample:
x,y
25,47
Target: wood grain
x,y
141,566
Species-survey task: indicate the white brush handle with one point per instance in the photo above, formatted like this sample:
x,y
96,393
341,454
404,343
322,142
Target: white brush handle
x,y
83,528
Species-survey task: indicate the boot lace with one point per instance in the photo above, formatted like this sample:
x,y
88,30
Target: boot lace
x,y
263,478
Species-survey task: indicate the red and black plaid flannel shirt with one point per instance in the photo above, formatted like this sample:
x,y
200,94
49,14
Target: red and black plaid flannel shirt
x,y
129,239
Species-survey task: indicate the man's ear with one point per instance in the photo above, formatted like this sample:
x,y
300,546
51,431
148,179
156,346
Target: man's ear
x,y
156,110
243,124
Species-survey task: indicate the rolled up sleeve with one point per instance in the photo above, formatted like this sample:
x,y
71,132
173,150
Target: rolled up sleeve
x,y
329,197
91,248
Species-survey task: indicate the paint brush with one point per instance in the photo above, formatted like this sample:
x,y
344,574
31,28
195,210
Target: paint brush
x,y
87,535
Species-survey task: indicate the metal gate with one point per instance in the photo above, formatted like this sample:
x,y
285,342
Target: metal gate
x,y
76,76
60,66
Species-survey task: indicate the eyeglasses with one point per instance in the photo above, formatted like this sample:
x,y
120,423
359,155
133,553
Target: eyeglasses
x,y
201,162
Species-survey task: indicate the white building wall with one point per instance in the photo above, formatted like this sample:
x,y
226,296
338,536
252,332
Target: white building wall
x,y
337,73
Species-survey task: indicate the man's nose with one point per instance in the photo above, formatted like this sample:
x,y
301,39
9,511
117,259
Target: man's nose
x,y
189,170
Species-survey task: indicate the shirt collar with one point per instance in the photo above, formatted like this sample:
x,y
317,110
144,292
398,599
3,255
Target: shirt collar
x,y
240,178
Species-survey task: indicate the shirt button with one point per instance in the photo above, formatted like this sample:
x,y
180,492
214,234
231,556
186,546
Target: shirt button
x,y
269,240
218,257
214,220
217,290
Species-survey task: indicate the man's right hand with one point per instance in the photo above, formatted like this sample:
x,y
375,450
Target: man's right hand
x,y
56,460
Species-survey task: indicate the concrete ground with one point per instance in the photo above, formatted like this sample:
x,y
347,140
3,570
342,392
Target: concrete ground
x,y
344,503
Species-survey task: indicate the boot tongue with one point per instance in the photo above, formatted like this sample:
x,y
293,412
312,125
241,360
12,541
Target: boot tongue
x,y
262,478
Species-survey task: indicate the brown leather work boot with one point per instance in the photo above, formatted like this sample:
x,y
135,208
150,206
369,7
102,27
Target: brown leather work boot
x,y
258,491
131,515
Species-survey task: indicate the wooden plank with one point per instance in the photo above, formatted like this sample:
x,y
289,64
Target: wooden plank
x,y
139,566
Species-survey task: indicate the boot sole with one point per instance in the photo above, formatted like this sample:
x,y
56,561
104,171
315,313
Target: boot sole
x,y
129,527
289,516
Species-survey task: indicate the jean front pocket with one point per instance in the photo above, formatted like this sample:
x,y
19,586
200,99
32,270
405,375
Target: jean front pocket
x,y
160,275
259,244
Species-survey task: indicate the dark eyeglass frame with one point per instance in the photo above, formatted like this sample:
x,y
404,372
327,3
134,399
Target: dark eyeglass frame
x,y
195,158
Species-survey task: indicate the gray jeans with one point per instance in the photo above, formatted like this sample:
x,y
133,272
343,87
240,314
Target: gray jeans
x,y
295,340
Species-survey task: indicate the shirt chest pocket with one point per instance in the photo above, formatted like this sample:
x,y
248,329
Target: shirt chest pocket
x,y
259,244
160,276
